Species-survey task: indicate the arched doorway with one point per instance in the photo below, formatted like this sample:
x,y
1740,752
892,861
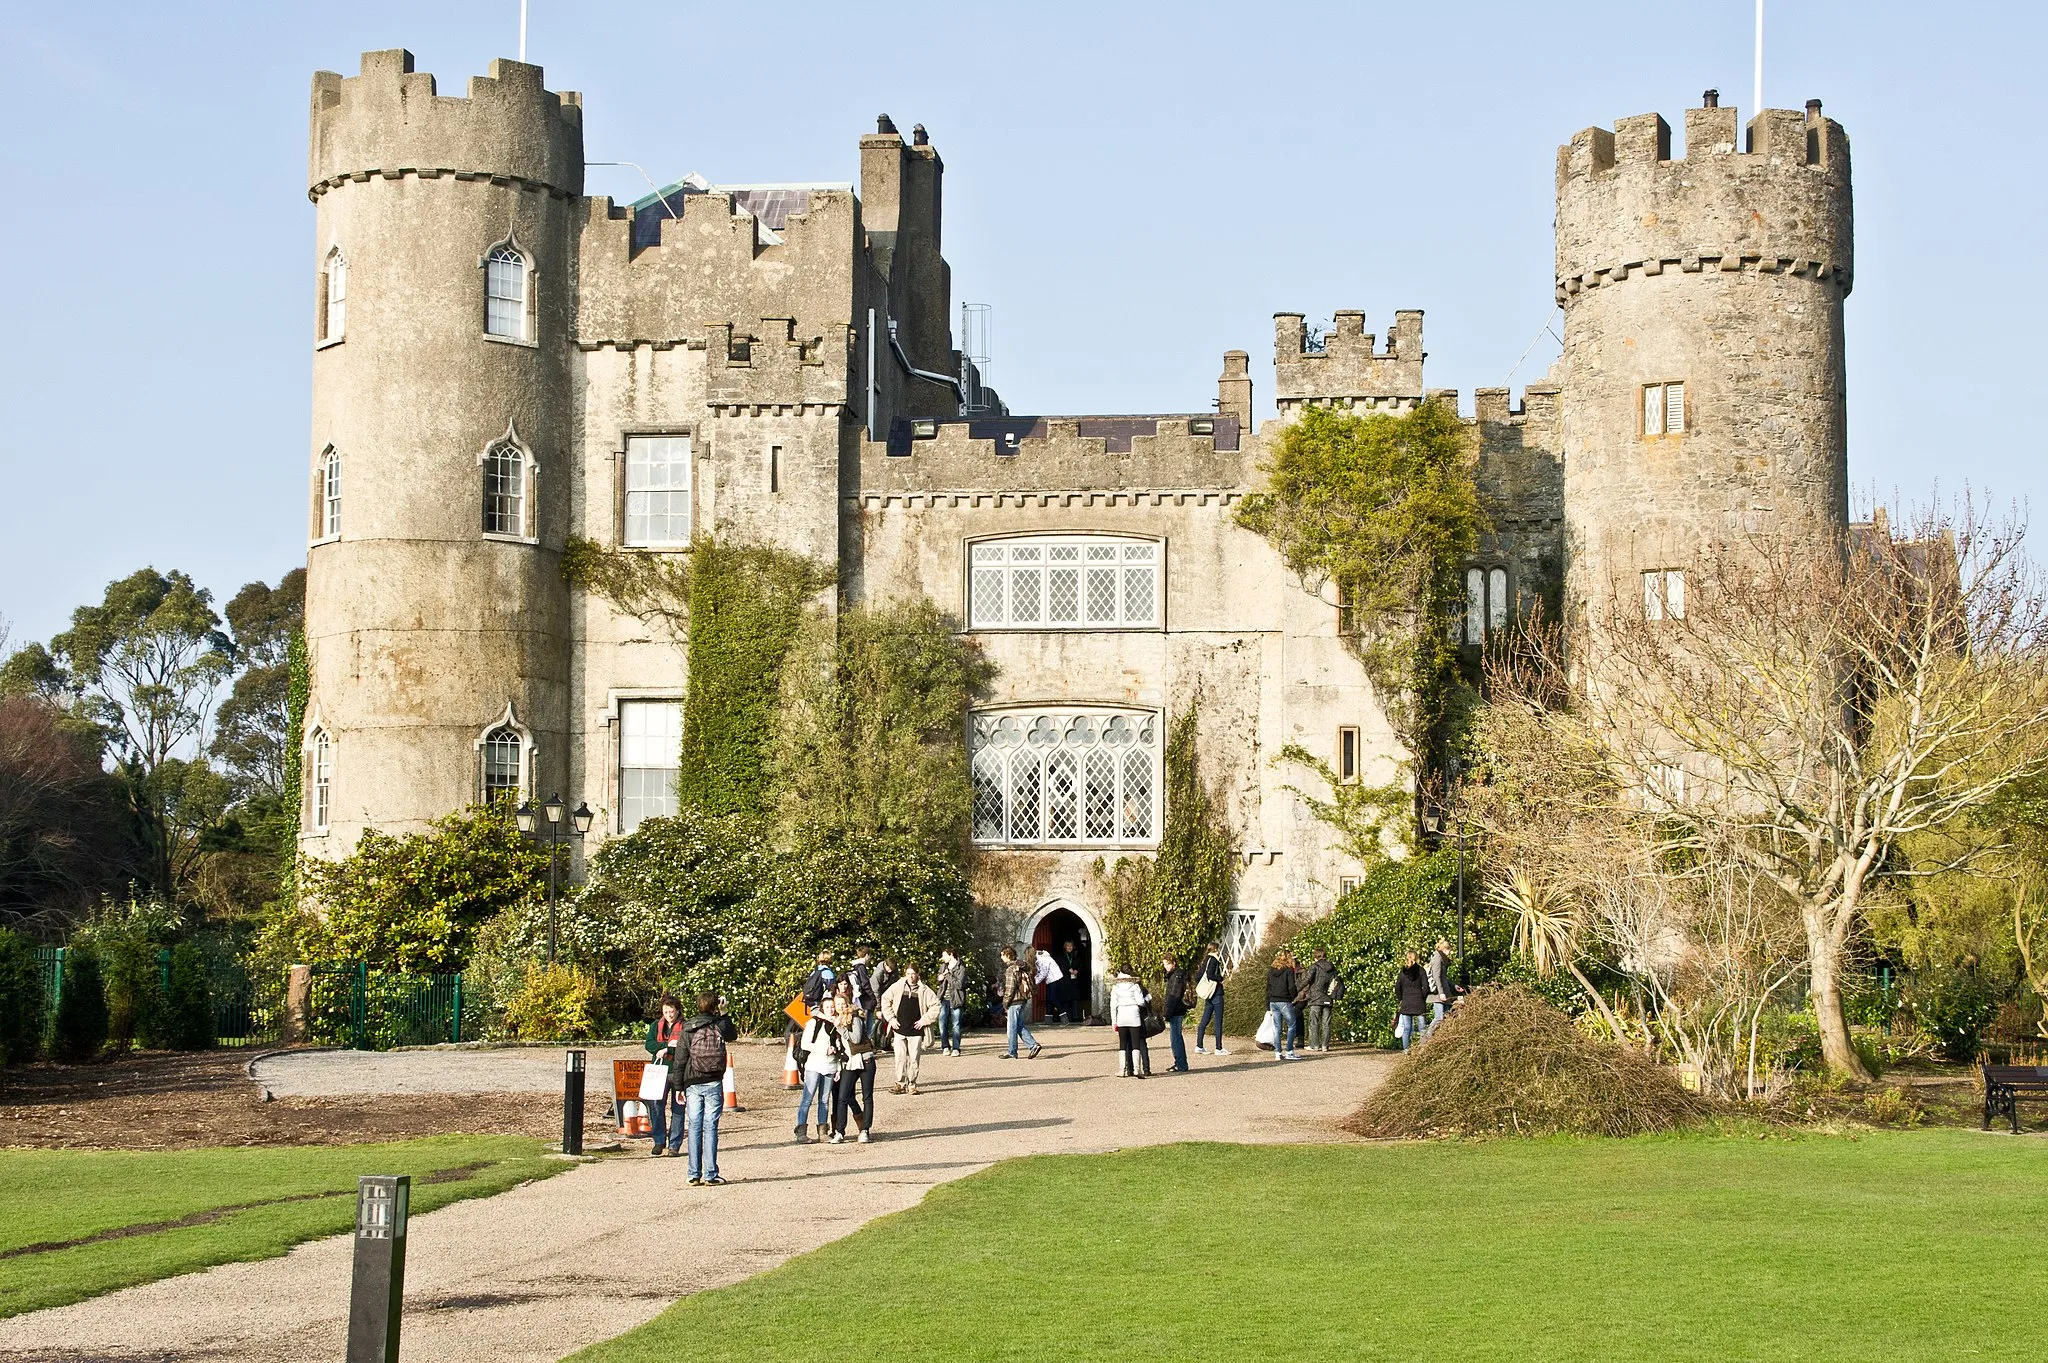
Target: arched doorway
x,y
1073,937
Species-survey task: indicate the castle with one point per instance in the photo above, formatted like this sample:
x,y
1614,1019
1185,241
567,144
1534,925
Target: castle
x,y
502,362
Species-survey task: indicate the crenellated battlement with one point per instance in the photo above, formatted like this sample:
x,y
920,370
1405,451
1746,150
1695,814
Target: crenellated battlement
x,y
1348,368
390,121
1771,198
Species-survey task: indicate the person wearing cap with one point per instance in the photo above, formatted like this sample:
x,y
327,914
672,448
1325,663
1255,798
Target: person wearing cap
x,y
1127,1000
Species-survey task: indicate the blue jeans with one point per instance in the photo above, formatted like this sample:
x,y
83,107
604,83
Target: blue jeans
x,y
705,1102
1019,1031
1405,1029
1286,1029
1211,1007
949,1027
1436,1015
1180,1045
665,1129
818,1086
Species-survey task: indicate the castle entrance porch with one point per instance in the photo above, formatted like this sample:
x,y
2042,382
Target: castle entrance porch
x,y
1071,936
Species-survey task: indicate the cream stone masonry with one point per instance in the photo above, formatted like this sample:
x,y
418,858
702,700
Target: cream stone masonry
x,y
775,363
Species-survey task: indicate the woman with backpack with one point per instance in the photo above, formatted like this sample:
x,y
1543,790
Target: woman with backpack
x,y
824,1049
1127,1001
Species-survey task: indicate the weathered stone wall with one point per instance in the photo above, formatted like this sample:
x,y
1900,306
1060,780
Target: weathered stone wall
x,y
1725,270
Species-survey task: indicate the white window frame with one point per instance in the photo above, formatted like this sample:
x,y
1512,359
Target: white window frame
x,y
333,297
653,494
627,705
509,252
1661,402
1486,606
527,479
1346,885
1020,757
328,497
320,786
1240,936
1664,594
998,571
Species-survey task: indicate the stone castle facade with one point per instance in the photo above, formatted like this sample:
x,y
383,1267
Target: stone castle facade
x,y
502,362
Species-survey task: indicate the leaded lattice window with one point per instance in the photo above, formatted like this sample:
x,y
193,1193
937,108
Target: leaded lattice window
x,y
505,293
503,761
1240,937
658,491
505,489
1065,777
1064,582
330,493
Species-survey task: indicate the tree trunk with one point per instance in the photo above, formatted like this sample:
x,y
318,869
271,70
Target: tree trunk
x,y
1825,961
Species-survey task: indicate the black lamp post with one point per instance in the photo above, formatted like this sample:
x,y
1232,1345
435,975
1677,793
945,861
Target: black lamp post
x,y
551,811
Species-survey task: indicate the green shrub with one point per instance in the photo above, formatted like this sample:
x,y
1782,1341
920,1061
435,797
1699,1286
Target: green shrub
x,y
552,1005
188,1003
129,941
79,1031
1398,907
1952,1005
21,1000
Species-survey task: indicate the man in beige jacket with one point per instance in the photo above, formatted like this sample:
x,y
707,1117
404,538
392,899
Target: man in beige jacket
x,y
909,1007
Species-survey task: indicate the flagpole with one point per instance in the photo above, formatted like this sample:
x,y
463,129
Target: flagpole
x,y
1757,106
1759,51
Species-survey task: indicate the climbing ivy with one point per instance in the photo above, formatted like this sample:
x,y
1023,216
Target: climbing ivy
x,y
1174,902
298,691
736,609
1385,506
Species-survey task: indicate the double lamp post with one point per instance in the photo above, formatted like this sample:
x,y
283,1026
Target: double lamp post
x,y
551,810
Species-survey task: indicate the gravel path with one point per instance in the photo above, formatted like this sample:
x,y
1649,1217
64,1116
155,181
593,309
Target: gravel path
x,y
539,1272
334,1074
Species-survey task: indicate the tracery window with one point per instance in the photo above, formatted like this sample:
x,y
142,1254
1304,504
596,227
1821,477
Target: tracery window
x,y
505,293
505,489
323,779
330,493
658,491
503,758
1064,582
334,317
1065,777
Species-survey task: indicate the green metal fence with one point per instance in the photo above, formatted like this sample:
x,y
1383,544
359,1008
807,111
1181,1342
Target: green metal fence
x,y
375,1010
50,960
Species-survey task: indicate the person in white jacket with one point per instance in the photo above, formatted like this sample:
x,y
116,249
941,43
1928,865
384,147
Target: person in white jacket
x,y
1127,1001
824,1053
909,1008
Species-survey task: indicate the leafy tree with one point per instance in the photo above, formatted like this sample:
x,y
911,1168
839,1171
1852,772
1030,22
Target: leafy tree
x,y
1176,901
64,830
21,1000
412,903
868,739
150,657
79,1031
253,737
188,1002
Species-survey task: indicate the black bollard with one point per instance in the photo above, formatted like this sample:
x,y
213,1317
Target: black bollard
x,y
572,1104
377,1289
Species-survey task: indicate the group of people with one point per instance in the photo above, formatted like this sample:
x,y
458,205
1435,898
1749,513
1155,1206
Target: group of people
x,y
1423,994
848,1015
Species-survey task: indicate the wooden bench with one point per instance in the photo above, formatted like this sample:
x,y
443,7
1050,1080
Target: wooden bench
x,y
2006,1085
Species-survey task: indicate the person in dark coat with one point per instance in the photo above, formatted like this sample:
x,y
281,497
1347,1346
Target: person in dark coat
x,y
1411,994
1174,1003
1319,996
1283,987
818,987
1210,973
700,1078
666,1119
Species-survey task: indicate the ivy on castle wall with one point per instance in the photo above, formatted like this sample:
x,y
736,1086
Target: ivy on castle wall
x,y
1177,900
1387,507
737,610
297,695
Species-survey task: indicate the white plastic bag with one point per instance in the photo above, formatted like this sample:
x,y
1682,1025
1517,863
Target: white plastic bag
x,y
653,1083
1268,1033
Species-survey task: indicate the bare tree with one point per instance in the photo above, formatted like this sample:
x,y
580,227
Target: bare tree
x,y
1815,700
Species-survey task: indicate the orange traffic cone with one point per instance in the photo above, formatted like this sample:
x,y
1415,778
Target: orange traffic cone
x,y
732,1089
792,1078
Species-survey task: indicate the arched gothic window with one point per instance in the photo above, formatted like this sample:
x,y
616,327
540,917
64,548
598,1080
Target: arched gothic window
x,y
323,779
330,493
505,292
503,764
1486,606
334,301
505,489
1065,777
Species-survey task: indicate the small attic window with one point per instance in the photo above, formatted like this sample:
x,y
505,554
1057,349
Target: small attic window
x,y
924,430
1202,425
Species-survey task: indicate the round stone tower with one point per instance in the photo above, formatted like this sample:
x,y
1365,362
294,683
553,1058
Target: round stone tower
x,y
1703,384
436,614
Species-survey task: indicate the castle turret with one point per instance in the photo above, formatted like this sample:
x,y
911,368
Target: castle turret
x,y
1703,384
436,615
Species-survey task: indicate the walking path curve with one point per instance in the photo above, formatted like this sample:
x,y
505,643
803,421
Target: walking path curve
x,y
541,1271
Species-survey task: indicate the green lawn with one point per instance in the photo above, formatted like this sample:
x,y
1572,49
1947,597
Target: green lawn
x,y
1906,1245
56,1197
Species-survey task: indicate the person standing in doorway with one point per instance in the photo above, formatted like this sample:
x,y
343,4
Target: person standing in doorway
x,y
1442,987
1319,991
1174,1004
1209,988
1411,990
665,1117
1071,1002
1046,971
703,1084
1283,987
1127,1013
911,1008
1017,988
952,993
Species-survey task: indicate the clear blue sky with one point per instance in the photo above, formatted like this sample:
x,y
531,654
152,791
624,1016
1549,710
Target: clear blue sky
x,y
1135,188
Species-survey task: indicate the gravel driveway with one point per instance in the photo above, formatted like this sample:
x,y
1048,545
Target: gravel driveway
x,y
334,1074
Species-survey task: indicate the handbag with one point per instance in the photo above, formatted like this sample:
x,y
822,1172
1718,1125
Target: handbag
x,y
1268,1033
1205,988
653,1083
1154,1024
